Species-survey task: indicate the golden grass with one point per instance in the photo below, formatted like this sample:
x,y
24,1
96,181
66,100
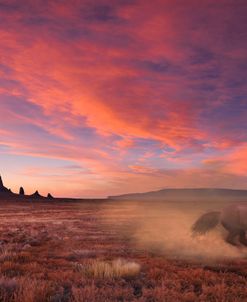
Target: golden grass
x,y
110,269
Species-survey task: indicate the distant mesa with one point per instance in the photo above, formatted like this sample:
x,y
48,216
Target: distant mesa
x,y
21,191
190,194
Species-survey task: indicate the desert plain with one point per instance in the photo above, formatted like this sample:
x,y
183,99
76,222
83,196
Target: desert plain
x,y
106,250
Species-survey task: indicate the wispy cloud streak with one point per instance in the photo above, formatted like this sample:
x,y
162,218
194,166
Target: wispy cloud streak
x,y
129,90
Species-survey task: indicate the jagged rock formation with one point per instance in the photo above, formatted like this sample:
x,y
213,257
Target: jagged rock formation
x,y
7,193
3,189
21,191
36,195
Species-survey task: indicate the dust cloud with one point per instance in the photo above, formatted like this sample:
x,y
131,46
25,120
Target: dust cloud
x,y
165,228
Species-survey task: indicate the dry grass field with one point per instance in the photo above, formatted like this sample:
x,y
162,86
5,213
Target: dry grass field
x,y
106,251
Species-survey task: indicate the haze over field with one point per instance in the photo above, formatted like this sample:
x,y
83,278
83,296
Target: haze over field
x,y
164,228
102,98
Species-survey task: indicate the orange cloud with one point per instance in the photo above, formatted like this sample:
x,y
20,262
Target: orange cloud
x,y
233,162
130,90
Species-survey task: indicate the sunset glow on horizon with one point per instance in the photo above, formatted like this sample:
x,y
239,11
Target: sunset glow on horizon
x,y
101,97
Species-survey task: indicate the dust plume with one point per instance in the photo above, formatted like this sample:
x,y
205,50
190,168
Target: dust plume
x,y
165,228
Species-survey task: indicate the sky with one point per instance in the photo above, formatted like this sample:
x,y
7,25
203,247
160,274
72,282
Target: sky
x,y
106,97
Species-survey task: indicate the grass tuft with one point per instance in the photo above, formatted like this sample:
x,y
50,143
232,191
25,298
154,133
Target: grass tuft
x,y
109,269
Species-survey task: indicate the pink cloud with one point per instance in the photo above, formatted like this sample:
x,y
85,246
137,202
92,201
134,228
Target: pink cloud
x,y
113,84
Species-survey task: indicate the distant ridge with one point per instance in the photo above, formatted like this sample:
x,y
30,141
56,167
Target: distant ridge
x,y
186,194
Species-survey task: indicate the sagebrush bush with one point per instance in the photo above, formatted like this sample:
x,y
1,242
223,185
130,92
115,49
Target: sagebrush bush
x,y
6,253
33,290
8,287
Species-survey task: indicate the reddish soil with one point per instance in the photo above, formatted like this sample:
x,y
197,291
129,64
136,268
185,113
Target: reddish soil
x,y
44,248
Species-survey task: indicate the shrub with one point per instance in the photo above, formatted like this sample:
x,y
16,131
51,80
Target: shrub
x,y
8,288
32,290
6,254
11,269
